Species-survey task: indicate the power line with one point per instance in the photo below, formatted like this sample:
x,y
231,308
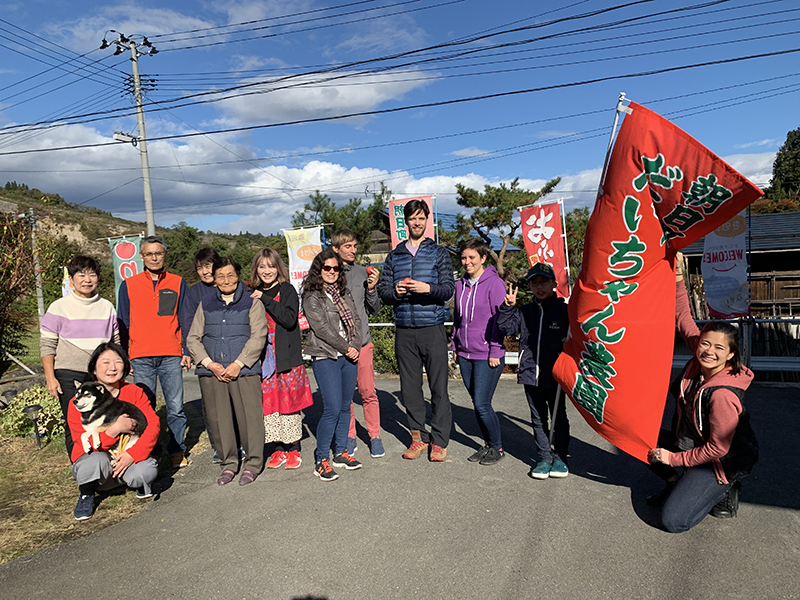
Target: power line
x,y
218,93
435,104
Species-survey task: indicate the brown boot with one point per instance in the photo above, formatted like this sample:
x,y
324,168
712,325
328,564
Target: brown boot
x,y
438,454
417,446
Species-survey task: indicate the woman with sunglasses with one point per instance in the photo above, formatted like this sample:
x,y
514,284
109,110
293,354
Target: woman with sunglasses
x,y
228,334
333,342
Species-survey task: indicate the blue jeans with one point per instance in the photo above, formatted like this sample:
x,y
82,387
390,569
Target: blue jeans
x,y
692,498
541,402
336,380
481,380
168,370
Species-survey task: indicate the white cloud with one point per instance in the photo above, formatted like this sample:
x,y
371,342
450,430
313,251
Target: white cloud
x,y
756,167
766,142
309,97
393,34
87,31
471,151
554,133
242,11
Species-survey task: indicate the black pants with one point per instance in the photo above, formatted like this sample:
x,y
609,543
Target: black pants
x,y
66,379
416,347
541,401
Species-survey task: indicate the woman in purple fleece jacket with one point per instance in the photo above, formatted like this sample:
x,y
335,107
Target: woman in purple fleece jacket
x,y
478,343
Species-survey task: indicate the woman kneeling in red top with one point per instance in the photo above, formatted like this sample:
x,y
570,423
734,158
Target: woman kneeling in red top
x,y
711,439
134,467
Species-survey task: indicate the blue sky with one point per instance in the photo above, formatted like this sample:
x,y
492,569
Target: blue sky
x,y
269,76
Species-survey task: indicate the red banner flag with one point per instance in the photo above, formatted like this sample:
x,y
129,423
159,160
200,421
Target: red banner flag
x,y
544,241
663,190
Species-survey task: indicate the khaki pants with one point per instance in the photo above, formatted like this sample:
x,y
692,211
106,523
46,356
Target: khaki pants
x,y
240,398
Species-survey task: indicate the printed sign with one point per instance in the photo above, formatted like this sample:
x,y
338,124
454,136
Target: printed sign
x,y
397,222
125,258
544,241
303,245
724,269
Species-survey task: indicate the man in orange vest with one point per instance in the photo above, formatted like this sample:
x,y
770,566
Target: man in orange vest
x,y
149,311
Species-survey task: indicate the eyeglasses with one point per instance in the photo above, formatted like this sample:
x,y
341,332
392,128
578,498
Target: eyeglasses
x,y
152,254
230,277
330,268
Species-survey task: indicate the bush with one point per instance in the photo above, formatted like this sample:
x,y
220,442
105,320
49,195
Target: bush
x,y
15,423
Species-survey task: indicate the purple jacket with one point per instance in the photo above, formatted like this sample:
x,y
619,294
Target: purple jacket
x,y
475,332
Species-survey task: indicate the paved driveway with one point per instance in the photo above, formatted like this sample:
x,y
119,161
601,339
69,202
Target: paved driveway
x,y
414,529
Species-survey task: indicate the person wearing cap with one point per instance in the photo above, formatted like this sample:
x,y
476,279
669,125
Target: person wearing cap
x,y
542,326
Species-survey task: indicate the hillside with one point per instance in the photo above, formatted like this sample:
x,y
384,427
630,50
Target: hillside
x,y
86,229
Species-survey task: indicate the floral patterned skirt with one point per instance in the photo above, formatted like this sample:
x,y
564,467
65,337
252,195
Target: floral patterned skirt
x,y
286,393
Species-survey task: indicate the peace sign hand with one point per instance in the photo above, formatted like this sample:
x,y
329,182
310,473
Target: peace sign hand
x,y
511,295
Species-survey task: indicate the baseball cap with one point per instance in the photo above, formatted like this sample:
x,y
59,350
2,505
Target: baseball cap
x,y
541,269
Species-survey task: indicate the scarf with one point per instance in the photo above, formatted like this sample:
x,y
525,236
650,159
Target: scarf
x,y
344,313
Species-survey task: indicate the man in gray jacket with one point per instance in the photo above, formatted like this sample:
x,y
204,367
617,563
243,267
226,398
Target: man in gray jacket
x,y
363,287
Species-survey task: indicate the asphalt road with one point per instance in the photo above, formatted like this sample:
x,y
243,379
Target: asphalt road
x,y
413,529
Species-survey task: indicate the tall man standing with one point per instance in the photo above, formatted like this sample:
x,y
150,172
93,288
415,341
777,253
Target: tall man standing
x,y
363,287
149,310
417,280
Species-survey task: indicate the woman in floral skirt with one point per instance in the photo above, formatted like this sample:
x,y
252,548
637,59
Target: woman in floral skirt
x,y
284,385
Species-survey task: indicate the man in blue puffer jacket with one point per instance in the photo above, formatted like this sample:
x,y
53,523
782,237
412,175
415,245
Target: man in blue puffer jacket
x,y
418,280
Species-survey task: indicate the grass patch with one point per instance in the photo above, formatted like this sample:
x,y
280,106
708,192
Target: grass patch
x,y
37,496
38,493
31,354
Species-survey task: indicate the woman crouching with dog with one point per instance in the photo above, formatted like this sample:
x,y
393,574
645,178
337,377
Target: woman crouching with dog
x,y
92,468
711,437
227,337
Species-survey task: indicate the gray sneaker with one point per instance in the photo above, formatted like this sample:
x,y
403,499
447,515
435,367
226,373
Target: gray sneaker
x,y
478,456
492,456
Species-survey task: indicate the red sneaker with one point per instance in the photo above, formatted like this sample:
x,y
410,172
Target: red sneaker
x,y
277,459
293,460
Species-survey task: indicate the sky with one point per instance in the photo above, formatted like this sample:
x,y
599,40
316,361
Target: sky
x,y
250,107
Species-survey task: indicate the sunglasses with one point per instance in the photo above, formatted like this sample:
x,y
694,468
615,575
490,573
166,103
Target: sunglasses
x,y
330,268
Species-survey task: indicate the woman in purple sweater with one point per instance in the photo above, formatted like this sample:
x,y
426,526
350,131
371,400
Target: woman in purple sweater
x,y
478,343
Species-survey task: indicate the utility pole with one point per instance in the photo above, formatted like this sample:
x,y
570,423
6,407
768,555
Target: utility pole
x,y
36,264
123,43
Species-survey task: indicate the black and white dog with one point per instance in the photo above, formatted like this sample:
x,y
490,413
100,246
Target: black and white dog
x,y
99,410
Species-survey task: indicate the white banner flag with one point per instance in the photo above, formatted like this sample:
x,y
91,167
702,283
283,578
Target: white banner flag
x,y
303,245
725,270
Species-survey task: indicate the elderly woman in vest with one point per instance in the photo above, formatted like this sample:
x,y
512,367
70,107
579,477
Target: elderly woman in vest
x,y
226,340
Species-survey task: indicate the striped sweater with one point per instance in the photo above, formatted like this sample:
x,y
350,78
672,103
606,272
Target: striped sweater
x,y
73,327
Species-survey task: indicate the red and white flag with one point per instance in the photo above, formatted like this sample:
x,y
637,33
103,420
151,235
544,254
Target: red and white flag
x,y
663,190
544,241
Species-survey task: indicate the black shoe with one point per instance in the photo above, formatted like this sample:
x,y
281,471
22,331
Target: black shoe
x,y
661,497
345,460
729,505
492,457
478,456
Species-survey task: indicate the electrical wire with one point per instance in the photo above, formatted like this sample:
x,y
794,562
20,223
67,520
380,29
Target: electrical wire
x,y
217,93
450,102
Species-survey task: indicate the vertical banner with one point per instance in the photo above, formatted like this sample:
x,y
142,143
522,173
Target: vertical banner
x,y
397,222
544,241
663,191
125,258
303,245
66,288
724,269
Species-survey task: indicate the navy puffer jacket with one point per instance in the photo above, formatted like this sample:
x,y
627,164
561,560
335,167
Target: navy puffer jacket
x,y
431,265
